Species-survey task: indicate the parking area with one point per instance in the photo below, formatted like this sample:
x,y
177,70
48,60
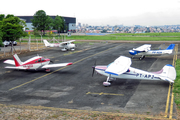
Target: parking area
x,y
73,87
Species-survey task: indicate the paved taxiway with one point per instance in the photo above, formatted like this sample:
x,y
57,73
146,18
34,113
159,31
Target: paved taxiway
x,y
73,87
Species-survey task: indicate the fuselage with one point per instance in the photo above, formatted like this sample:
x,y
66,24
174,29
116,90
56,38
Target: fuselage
x,y
34,63
150,52
132,73
66,45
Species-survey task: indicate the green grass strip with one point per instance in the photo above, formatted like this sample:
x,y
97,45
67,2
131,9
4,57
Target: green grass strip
x,y
177,84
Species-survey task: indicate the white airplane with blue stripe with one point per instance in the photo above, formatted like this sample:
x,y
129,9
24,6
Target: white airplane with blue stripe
x,y
146,50
121,69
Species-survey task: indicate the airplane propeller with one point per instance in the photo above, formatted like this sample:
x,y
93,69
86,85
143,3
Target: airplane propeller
x,y
93,68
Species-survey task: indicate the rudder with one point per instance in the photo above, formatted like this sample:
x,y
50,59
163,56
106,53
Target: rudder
x,y
169,73
17,61
46,43
170,47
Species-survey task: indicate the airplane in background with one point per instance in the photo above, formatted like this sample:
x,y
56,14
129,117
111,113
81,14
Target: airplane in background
x,y
35,63
146,50
68,45
121,69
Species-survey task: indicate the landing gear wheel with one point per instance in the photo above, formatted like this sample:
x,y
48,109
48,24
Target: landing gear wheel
x,y
106,84
171,83
132,57
141,57
48,70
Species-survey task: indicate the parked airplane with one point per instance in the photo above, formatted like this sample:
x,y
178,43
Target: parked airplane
x,y
68,45
34,63
146,50
120,68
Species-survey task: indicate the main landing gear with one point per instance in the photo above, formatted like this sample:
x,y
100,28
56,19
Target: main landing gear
x,y
171,83
142,57
109,79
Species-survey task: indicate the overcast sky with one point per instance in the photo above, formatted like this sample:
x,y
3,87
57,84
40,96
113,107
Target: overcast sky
x,y
101,12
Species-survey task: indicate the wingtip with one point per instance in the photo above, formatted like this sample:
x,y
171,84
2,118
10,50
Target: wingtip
x,y
69,64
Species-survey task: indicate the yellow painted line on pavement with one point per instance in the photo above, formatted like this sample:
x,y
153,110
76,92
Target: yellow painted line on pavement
x,y
167,101
60,69
172,94
104,94
170,91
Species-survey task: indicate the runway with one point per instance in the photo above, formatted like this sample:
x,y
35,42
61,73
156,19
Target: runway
x,y
73,87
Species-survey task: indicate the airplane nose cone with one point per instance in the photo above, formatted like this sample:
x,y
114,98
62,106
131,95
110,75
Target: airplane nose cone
x,y
47,59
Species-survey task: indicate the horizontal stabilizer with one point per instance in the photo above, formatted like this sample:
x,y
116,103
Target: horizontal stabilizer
x,y
57,65
9,62
12,67
119,66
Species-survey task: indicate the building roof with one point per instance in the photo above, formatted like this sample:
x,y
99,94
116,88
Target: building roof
x,y
67,19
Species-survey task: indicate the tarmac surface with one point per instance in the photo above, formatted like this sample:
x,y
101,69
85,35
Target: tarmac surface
x,y
73,87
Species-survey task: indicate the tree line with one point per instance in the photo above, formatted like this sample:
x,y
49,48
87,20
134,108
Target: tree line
x,y
13,28
43,22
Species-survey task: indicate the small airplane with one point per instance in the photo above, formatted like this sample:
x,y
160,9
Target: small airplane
x,y
120,68
35,63
68,45
146,50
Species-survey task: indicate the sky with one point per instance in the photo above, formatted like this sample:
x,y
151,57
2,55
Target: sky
x,y
101,12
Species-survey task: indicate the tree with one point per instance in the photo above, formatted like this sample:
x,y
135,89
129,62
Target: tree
x,y
1,34
49,23
39,21
59,23
2,16
12,28
9,15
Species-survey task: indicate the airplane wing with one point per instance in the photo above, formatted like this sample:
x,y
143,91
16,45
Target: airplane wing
x,y
119,66
67,41
9,62
56,65
143,48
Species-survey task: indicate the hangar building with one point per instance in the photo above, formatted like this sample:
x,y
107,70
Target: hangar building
x,y
69,21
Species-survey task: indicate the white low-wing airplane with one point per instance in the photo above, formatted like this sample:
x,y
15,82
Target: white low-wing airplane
x,y
146,50
35,63
120,68
68,45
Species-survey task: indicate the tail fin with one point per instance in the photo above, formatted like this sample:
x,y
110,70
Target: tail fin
x,y
168,73
170,47
17,61
47,44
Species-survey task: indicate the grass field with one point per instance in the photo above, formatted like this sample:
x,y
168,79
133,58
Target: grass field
x,y
149,34
120,36
177,84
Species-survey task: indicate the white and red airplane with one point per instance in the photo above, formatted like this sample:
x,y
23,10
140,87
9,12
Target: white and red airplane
x,y
35,63
68,45
121,69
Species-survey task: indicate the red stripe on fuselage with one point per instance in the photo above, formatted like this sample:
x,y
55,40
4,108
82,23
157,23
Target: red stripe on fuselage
x,y
35,61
